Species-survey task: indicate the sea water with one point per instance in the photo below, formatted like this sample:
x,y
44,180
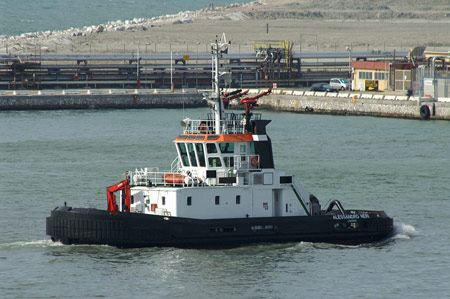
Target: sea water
x,y
51,157
21,16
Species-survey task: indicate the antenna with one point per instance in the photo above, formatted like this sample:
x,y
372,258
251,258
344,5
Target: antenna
x,y
217,49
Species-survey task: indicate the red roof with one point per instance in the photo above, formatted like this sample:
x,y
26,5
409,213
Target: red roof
x,y
370,65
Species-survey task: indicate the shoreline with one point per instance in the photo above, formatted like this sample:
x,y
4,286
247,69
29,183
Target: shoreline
x,y
143,24
319,27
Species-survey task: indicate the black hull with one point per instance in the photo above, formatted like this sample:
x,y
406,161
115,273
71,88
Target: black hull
x,y
130,230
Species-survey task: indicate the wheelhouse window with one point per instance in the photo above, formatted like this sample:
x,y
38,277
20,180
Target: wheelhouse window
x,y
192,154
211,148
200,154
229,161
214,162
183,154
226,147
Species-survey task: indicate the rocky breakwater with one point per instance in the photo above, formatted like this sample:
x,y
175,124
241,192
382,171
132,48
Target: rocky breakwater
x,y
47,41
356,103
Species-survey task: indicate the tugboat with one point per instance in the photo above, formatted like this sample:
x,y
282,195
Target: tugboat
x,y
222,190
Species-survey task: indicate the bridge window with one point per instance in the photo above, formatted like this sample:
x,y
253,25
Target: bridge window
x,y
229,161
214,162
211,148
226,147
192,154
252,148
200,154
183,154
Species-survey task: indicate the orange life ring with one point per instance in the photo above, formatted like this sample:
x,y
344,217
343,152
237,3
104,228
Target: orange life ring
x,y
254,161
174,178
202,128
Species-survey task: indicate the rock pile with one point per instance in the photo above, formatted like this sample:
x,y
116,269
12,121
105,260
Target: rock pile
x,y
29,41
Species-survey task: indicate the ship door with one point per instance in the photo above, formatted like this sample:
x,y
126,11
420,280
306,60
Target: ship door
x,y
277,203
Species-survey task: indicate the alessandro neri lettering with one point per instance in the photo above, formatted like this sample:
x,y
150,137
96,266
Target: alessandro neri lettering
x,y
351,216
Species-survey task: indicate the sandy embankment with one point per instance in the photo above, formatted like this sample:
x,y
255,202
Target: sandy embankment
x,y
311,24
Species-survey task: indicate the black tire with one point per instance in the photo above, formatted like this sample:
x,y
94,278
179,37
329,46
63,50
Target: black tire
x,y
425,112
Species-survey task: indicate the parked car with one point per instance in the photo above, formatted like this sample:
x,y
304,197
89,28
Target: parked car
x,y
339,83
323,87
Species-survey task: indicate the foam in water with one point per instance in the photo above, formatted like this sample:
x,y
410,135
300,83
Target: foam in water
x,y
30,244
404,231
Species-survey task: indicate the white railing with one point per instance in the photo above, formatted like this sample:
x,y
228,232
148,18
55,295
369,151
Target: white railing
x,y
246,162
209,127
176,165
154,177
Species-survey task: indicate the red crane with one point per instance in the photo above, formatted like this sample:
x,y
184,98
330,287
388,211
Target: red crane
x,y
126,196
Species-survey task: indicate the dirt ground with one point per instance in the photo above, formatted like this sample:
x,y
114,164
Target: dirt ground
x,y
312,25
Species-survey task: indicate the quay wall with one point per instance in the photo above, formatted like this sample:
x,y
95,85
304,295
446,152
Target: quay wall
x,y
101,101
343,103
357,104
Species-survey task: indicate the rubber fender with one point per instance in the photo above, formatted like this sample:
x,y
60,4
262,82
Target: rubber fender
x,y
424,112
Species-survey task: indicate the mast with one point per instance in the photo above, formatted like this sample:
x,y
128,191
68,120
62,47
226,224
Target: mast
x,y
217,49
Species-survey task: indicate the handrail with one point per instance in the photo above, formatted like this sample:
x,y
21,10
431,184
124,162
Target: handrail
x,y
203,126
294,188
144,177
176,165
246,162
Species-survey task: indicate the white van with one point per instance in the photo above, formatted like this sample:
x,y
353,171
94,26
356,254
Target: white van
x,y
339,83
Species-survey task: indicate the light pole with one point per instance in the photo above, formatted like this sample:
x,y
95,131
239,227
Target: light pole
x,y
138,67
171,70
146,52
349,49
196,62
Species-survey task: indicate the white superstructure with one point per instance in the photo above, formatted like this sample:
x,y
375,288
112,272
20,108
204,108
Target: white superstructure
x,y
224,169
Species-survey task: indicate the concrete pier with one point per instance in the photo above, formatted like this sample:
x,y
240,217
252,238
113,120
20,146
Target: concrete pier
x,y
355,103
99,99
343,103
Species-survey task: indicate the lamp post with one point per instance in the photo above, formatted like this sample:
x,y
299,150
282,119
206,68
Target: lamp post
x,y
138,67
349,49
146,51
196,62
171,70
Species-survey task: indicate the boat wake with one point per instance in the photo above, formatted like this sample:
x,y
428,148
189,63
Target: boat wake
x,y
29,244
404,231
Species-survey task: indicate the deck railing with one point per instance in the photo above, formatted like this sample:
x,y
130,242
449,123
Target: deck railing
x,y
246,162
154,177
204,126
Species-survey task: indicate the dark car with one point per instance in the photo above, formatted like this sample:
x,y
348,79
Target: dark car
x,y
323,87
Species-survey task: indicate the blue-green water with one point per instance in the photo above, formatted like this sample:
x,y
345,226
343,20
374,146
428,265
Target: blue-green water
x,y
21,16
401,166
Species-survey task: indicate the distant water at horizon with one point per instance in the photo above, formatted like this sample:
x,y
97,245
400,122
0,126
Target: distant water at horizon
x,y
24,16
